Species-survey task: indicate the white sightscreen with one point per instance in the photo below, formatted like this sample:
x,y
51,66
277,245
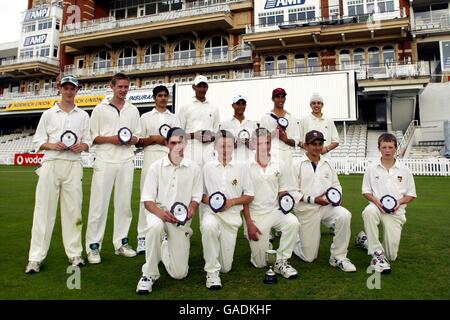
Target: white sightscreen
x,y
336,88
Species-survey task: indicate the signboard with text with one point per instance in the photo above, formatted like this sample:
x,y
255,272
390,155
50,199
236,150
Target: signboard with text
x,y
35,14
28,159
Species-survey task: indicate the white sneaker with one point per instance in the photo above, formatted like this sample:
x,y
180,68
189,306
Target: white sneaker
x,y
213,280
94,257
343,264
141,246
94,254
76,261
145,285
361,240
380,263
285,269
33,267
126,251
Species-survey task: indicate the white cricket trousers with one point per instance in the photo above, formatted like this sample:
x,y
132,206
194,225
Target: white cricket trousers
x,y
307,248
174,252
105,176
392,226
287,224
149,157
57,179
219,232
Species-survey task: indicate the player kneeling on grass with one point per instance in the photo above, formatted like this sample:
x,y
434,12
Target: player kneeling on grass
x,y
314,175
387,177
60,175
271,179
229,181
172,184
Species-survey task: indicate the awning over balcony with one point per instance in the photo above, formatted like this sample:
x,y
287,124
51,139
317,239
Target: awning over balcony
x,y
110,32
301,36
413,86
31,67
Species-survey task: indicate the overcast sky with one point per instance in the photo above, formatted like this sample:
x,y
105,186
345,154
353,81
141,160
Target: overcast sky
x,y
10,16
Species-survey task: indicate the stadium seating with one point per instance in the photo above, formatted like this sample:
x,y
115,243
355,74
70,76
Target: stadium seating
x,y
17,142
356,143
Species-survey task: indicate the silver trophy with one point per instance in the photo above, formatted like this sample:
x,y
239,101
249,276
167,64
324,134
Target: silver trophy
x,y
271,258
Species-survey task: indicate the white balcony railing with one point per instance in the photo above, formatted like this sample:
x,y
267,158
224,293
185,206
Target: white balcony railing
x,y
392,70
108,23
363,71
435,20
47,60
370,19
231,56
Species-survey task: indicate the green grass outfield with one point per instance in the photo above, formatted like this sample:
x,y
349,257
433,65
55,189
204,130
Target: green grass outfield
x,y
421,271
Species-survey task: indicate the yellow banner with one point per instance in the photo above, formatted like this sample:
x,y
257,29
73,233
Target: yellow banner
x,y
81,101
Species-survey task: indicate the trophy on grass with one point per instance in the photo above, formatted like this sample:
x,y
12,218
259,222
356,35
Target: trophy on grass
x,y
271,258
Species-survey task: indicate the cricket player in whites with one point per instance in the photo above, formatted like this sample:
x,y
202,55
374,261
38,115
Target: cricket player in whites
x,y
200,119
283,139
170,180
219,229
241,128
113,167
153,124
316,120
314,175
387,177
60,176
271,179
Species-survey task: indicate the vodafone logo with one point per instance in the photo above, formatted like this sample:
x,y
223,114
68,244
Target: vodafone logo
x,y
28,159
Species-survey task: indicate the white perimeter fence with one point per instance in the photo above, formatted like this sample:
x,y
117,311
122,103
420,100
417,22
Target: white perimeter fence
x,y
343,165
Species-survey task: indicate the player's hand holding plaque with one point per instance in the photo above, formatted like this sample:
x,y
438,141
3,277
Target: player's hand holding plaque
x,y
180,212
217,201
207,136
69,138
286,203
164,129
389,203
283,122
125,135
243,135
333,196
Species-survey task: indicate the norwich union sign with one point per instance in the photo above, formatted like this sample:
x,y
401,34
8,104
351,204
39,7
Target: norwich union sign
x,y
273,4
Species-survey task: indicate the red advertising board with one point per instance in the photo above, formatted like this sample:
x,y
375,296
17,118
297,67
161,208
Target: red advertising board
x,y
28,159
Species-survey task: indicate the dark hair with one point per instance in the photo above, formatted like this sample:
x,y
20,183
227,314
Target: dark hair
x,y
176,132
387,137
223,134
119,76
261,132
158,89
